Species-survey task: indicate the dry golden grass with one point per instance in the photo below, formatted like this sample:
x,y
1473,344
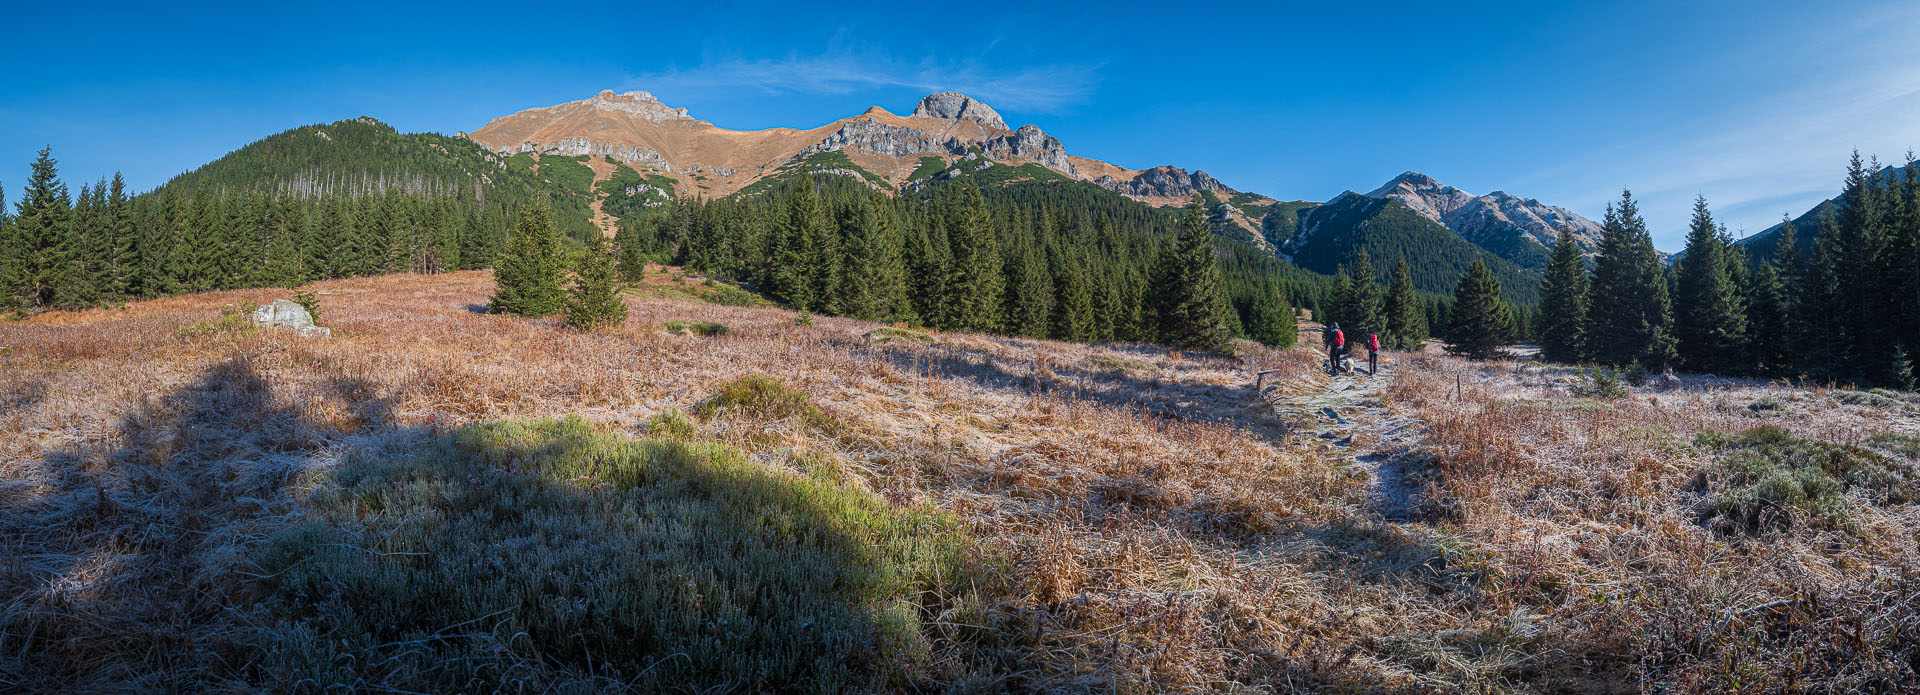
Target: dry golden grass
x,y
1152,527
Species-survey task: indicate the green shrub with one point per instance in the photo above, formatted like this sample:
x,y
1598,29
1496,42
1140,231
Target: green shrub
x,y
888,334
729,295
672,424
767,397
1903,444
309,301
1871,399
1766,476
703,329
1636,374
234,319
1597,383
1766,405
537,556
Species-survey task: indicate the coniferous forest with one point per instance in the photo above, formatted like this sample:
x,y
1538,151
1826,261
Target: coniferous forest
x,y
1043,259
1033,259
1846,310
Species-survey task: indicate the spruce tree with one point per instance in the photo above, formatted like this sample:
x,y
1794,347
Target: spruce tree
x,y
1709,321
1271,322
40,225
789,275
1365,305
1563,302
1823,353
1769,352
1629,283
1073,317
527,276
285,263
83,254
1406,319
1790,269
975,279
1862,326
1339,302
594,299
630,244
874,286
122,260
928,269
1481,324
1191,312
1029,292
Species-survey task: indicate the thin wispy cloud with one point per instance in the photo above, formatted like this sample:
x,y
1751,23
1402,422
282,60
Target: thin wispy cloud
x,y
1044,89
1776,153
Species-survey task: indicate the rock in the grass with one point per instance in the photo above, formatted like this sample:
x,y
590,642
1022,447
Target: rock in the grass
x,y
288,315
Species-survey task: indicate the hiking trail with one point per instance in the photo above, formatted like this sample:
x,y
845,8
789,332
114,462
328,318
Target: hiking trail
x,y
1348,418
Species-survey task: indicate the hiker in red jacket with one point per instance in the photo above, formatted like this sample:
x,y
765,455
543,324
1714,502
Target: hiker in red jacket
x,y
1373,354
1336,346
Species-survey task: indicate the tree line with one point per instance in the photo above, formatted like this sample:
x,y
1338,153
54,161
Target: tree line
x,y
1848,311
1063,263
1038,260
64,250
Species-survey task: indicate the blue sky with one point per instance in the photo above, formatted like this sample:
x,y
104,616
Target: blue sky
x,y
1754,105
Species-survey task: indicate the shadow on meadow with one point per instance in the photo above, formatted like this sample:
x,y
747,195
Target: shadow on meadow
x,y
1109,386
226,542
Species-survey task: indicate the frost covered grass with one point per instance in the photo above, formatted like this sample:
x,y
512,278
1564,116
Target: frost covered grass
x,y
213,510
546,556
1681,540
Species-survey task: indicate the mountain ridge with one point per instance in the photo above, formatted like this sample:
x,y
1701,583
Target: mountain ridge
x,y
636,129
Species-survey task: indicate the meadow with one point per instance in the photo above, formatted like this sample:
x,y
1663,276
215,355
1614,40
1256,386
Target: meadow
x,y
719,496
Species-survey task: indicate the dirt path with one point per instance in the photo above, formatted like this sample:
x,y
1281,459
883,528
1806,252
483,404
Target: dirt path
x,y
1349,419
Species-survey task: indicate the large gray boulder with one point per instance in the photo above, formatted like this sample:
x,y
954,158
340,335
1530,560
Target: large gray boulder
x,y
288,315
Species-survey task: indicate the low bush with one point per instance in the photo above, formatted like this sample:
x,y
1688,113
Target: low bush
x,y
702,329
1903,444
1766,405
1767,477
672,424
729,295
234,319
1871,399
766,397
1597,383
310,301
542,556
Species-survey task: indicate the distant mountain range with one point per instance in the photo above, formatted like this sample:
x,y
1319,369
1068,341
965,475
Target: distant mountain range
x,y
948,130
616,154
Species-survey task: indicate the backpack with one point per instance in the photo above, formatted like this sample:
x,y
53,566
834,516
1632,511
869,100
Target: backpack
x,y
1339,338
1373,343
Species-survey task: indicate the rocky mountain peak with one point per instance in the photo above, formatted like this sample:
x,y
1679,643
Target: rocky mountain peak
x,y
958,107
637,103
1493,220
1164,182
1413,179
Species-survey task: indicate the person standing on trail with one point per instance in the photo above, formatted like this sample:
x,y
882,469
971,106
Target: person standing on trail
x,y
1373,354
1336,344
